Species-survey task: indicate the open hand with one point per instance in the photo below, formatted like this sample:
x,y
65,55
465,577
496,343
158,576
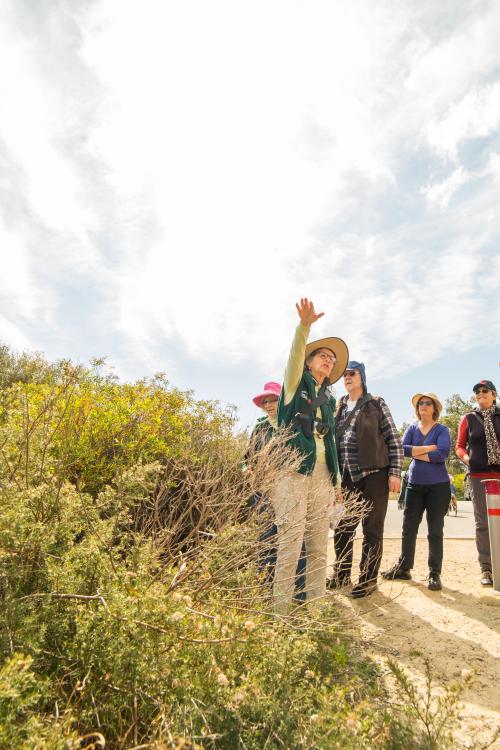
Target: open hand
x,y
306,311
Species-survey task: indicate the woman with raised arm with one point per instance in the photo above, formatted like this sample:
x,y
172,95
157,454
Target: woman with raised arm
x,y
303,501
428,488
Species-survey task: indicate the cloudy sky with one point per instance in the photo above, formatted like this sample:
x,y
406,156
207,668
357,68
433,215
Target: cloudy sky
x,y
174,176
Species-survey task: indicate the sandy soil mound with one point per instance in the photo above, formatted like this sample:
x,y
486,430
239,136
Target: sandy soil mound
x,y
457,628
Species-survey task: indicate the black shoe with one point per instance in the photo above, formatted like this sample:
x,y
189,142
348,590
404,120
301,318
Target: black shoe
x,y
338,582
397,572
434,582
365,588
486,578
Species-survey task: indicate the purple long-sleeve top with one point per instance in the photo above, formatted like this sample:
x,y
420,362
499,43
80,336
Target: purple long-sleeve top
x,y
434,471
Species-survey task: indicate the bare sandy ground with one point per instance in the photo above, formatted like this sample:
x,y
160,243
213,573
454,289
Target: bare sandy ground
x,y
457,628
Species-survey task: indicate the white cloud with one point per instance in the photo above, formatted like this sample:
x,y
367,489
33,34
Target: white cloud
x,y
441,193
16,280
476,115
201,166
493,166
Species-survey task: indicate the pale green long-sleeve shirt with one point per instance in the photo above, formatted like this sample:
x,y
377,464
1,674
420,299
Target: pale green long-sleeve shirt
x,y
293,376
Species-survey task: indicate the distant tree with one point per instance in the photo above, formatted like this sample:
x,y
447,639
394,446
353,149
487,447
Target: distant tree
x,y
403,428
455,407
27,367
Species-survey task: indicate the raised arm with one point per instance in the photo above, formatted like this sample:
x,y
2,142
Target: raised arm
x,y
295,364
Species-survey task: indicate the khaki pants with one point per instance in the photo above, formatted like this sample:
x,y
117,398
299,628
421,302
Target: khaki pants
x,y
302,506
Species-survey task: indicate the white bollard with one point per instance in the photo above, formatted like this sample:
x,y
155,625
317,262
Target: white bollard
x,y
492,489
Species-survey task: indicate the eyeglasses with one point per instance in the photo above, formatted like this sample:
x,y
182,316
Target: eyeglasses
x,y
482,390
351,373
425,402
326,357
267,401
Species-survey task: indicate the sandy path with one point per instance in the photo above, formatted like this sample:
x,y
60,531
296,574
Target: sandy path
x,y
457,628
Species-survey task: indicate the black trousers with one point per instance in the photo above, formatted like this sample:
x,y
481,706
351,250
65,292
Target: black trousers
x,y
374,494
434,499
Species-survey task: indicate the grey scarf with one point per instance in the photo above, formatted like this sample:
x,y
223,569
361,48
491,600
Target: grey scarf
x,y
492,447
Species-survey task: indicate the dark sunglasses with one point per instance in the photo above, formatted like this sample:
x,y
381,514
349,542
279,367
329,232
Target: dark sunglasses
x,y
425,402
351,373
482,390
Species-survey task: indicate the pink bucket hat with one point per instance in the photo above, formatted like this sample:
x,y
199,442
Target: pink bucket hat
x,y
270,389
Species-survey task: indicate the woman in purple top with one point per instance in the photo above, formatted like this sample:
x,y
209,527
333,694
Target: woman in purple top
x,y
428,443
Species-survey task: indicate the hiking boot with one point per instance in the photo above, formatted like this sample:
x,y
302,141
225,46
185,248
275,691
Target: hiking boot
x,y
486,578
365,588
434,582
397,572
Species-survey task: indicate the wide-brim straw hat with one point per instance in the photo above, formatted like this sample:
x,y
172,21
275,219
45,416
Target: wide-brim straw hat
x,y
428,394
339,348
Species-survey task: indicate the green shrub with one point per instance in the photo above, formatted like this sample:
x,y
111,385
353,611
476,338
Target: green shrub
x,y
21,725
132,608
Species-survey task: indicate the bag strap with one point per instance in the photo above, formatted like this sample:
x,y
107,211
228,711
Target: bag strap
x,y
339,434
310,408
322,398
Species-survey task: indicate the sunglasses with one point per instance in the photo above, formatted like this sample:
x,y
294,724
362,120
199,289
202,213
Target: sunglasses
x,y
350,373
425,402
482,390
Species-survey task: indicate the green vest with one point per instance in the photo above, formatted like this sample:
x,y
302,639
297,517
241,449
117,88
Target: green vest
x,y
261,433
304,394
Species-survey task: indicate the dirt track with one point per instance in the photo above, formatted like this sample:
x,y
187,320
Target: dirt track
x,y
457,628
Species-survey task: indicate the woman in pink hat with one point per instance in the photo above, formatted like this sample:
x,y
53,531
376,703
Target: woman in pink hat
x,y
268,402
262,433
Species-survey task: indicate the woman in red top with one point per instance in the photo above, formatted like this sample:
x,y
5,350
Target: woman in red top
x,y
478,446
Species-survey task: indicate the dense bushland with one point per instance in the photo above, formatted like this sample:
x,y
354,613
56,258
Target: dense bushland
x,y
133,613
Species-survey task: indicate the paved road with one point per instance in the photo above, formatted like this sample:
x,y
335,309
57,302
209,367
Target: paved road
x,y
459,527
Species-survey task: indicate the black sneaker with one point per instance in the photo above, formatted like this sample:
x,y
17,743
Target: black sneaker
x,y
397,572
486,578
434,582
365,588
